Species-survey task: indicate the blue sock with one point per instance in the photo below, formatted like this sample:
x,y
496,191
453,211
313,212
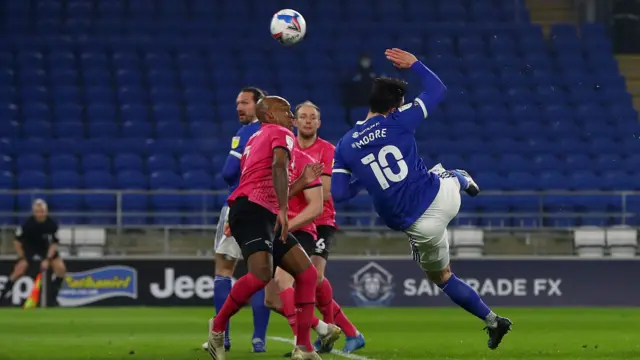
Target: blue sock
x,y
464,183
465,296
260,316
221,289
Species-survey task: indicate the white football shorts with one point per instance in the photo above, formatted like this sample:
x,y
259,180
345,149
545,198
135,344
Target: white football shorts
x,y
428,236
226,245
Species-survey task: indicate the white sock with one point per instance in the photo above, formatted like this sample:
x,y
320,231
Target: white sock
x,y
322,328
491,320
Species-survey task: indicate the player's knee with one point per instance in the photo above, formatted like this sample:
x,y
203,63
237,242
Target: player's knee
x,y
310,275
270,304
271,300
320,264
262,272
59,267
283,280
440,276
225,265
20,269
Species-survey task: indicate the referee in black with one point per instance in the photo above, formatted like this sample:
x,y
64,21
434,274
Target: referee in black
x,y
36,243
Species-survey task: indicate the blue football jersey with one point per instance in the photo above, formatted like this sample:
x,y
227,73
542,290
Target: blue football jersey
x,y
238,143
382,154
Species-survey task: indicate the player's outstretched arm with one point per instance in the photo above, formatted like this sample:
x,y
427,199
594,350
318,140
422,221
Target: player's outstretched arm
x,y
343,187
313,196
432,93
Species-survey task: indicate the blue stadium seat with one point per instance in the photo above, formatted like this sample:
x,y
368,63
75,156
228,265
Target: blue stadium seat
x,y
166,205
32,179
68,130
95,162
127,162
161,162
30,162
103,130
193,162
169,130
63,162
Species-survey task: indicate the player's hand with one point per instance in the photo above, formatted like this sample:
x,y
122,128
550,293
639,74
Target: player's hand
x,y
400,58
44,265
227,230
282,222
311,172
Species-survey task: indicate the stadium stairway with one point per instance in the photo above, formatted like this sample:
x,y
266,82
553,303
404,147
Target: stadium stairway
x,y
629,66
549,12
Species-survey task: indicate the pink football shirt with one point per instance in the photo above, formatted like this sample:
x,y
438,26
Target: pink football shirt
x,y
322,151
256,180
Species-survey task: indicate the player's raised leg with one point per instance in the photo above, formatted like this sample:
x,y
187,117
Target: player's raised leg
x,y
410,198
430,247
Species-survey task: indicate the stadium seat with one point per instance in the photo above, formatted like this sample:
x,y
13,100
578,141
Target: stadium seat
x,y
589,241
468,241
622,241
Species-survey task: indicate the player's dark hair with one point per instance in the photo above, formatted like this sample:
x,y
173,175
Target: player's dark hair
x,y
257,93
387,93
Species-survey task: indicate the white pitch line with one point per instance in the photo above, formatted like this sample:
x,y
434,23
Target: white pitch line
x,y
334,352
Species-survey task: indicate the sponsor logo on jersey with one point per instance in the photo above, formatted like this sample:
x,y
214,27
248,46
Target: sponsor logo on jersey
x,y
82,288
405,107
235,142
372,286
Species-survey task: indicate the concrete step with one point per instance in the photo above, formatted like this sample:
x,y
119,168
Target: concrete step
x,y
546,13
636,102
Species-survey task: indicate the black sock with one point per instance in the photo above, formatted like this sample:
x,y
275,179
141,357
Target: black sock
x,y
8,286
56,284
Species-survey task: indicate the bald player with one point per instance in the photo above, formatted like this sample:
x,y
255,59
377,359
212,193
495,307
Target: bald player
x,y
258,220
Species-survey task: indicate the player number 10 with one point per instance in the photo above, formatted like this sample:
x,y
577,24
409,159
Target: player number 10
x,y
381,169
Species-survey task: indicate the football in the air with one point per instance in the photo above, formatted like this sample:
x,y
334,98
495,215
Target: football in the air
x,y
288,27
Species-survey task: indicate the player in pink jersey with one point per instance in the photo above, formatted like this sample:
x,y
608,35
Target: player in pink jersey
x,y
258,220
304,209
308,122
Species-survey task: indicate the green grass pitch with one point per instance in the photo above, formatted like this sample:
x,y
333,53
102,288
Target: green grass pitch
x,y
419,333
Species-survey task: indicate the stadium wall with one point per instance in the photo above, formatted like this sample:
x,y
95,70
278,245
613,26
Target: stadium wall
x,y
362,282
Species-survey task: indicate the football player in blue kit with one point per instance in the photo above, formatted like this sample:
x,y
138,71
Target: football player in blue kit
x,y
227,250
380,155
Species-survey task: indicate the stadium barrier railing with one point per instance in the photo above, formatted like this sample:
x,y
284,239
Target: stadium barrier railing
x,y
130,209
